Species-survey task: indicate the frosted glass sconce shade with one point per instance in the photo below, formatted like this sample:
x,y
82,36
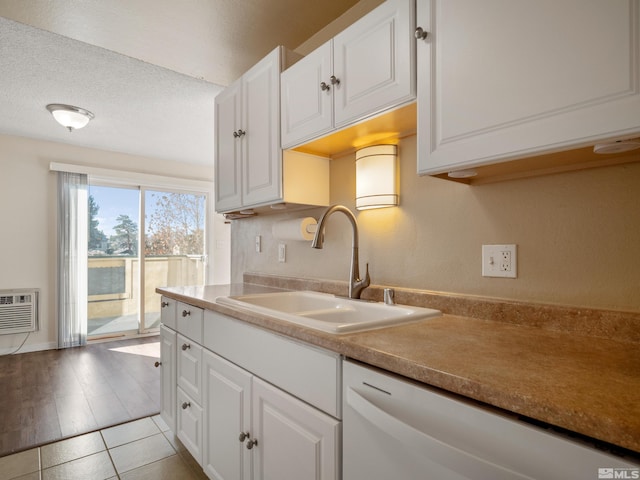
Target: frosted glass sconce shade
x,y
69,116
377,177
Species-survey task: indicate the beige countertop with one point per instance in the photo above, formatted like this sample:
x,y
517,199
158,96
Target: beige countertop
x,y
586,384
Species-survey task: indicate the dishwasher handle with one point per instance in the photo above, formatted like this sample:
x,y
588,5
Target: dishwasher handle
x,y
445,454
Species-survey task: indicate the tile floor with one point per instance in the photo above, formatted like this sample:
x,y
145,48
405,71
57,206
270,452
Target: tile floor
x,y
142,449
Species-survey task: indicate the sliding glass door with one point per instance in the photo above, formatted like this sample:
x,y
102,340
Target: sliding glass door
x,y
140,239
174,245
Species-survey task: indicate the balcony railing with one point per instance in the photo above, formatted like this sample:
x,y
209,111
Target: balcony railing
x,y
114,288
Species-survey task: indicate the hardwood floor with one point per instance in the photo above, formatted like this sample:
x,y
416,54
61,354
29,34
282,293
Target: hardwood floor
x,y
54,394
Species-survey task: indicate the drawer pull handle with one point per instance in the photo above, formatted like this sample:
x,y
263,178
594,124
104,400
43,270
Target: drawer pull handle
x,y
186,313
165,304
243,436
186,405
334,80
251,443
185,346
324,87
157,364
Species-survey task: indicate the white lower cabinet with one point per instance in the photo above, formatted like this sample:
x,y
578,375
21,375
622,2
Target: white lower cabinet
x,y
254,430
295,440
249,404
227,392
189,424
168,376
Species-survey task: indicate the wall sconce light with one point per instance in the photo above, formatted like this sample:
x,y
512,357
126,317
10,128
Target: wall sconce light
x,y
69,116
377,177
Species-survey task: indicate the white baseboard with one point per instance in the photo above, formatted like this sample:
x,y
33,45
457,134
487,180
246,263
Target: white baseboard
x,y
36,347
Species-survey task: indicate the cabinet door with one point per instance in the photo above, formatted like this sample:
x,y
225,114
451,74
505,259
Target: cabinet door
x,y
307,107
261,153
227,414
168,376
189,424
503,80
374,60
295,441
228,109
190,367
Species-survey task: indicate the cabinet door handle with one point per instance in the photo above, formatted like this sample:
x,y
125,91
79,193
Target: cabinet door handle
x,y
157,364
185,346
165,304
324,87
420,34
243,436
186,405
334,80
186,313
239,133
251,443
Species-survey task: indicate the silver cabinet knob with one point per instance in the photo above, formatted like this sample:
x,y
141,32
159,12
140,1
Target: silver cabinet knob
x,y
334,80
235,135
186,405
185,346
420,34
324,87
251,443
165,304
186,313
243,436
157,364
239,133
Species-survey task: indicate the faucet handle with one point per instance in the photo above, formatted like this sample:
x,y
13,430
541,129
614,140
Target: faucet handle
x,y
367,279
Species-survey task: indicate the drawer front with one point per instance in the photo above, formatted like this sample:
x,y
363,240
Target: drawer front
x,y
309,373
189,428
190,321
190,367
168,312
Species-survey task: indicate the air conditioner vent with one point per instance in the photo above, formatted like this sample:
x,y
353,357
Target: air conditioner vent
x,y
18,311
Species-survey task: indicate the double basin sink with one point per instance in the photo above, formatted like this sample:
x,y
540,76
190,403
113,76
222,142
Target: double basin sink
x,y
328,313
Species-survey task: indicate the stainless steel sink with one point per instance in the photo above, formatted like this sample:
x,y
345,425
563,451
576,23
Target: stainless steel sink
x,y
326,312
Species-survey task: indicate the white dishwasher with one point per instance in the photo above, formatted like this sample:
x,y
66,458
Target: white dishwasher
x,y
394,429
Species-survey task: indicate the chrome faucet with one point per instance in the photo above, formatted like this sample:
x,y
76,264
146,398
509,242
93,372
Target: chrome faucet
x,y
356,284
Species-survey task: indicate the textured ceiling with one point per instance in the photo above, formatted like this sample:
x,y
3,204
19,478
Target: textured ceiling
x,y
149,70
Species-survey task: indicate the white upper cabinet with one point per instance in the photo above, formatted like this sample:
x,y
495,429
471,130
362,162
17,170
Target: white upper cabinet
x,y
502,80
248,157
251,169
366,69
307,102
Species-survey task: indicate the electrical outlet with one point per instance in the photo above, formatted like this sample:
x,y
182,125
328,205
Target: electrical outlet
x,y
282,253
258,243
499,261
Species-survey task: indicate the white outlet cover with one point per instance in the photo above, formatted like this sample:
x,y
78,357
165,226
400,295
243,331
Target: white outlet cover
x,y
499,261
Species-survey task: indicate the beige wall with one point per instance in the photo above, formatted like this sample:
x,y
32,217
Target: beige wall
x,y
28,225
578,236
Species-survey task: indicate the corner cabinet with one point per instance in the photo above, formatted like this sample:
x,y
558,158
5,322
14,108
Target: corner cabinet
x,y
364,70
249,169
499,81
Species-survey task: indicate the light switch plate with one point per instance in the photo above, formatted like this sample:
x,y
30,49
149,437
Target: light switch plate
x,y
499,261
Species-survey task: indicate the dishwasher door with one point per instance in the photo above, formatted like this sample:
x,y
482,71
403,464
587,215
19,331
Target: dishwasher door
x,y
395,429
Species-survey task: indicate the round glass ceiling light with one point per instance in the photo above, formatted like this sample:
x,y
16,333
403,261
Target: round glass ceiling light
x,y
70,117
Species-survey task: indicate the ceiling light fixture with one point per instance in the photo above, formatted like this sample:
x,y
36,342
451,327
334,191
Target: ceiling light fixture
x,y
377,177
69,116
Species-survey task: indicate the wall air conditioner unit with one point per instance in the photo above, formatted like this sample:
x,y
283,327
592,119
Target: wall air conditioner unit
x,y
18,311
